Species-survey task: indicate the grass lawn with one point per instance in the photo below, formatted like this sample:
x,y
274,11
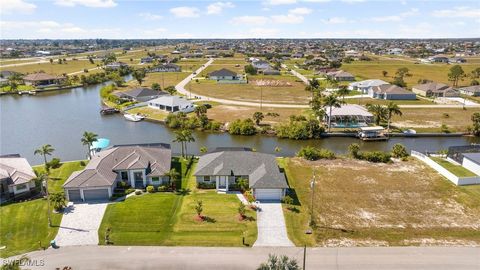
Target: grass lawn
x,y
455,169
7,88
60,175
55,68
165,79
169,219
404,203
150,113
23,225
217,66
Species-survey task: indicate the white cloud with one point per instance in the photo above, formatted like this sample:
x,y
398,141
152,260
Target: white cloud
x,y
396,18
263,32
287,19
185,12
280,2
16,6
255,20
465,12
150,16
353,1
87,3
336,20
300,11
217,8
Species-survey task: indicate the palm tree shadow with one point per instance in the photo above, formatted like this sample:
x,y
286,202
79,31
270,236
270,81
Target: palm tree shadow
x,y
209,219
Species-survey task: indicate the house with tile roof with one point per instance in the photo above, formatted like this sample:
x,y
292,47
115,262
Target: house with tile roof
x,y
16,176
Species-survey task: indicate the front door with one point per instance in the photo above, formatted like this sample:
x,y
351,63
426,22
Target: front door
x,y
222,182
138,176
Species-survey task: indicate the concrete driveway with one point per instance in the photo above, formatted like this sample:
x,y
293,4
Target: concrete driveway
x,y
272,230
80,224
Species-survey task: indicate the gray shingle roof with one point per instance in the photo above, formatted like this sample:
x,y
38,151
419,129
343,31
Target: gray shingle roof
x,y
141,92
100,171
16,170
391,89
222,72
261,168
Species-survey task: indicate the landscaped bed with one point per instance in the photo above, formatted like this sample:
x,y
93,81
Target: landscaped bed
x,y
358,203
457,170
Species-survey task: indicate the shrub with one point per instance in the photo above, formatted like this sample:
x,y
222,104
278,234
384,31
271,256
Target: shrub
x,y
162,188
299,128
353,149
130,190
312,153
58,200
375,156
203,185
399,151
242,127
150,189
287,200
444,128
82,163
249,196
241,209
54,163
138,192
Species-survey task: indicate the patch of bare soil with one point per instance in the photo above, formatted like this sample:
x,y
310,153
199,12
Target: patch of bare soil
x,y
271,83
416,124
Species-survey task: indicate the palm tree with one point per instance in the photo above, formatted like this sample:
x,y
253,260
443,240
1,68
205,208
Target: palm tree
x,y
87,139
258,117
200,110
180,138
392,109
378,111
331,101
343,91
188,136
172,176
45,150
317,106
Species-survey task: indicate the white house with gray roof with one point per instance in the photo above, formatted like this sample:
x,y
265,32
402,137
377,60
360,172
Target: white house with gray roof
x,y
172,104
138,165
226,166
366,85
16,176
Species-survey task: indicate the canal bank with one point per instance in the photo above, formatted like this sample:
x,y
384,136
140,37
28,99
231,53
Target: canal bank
x,y
60,118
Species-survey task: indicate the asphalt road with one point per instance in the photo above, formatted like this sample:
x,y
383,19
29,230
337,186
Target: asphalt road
x,y
115,257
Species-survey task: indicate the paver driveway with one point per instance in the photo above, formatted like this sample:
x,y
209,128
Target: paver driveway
x,y
80,223
271,226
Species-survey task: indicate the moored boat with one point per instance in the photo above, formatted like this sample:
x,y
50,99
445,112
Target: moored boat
x,y
133,117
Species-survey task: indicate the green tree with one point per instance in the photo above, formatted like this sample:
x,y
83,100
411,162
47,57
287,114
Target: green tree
x,y
199,208
384,73
343,91
399,151
58,201
353,150
171,90
258,117
200,110
188,138
279,263
180,138
173,176
456,74
242,184
392,109
203,149
251,70
51,61
87,139
45,150
316,104
331,101
139,75
156,86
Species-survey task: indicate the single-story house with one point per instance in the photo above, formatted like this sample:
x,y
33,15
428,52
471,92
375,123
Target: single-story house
x,y
145,60
226,166
116,65
172,104
457,60
224,74
271,71
17,177
341,76
141,94
137,165
434,89
297,55
365,86
260,64
473,90
471,162
349,116
4,75
438,59
391,92
42,79
168,67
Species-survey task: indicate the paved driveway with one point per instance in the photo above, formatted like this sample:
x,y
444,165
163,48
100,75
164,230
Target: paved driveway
x,y
271,226
80,223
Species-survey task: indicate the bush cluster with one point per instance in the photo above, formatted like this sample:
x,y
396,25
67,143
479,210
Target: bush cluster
x,y
313,153
203,185
300,128
150,189
242,127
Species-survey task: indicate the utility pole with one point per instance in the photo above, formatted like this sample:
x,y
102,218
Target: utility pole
x,y
312,186
49,213
304,255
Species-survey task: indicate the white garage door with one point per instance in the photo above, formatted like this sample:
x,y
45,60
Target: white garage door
x,y
95,194
268,194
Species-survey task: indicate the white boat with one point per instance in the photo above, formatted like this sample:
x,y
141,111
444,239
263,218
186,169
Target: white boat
x,y
133,117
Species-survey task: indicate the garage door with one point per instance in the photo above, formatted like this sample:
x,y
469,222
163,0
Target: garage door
x,y
74,195
95,194
268,194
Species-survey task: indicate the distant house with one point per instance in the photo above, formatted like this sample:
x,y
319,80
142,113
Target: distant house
x,y
171,104
146,60
116,65
140,94
17,177
435,89
365,86
349,115
341,76
136,165
457,60
271,71
297,55
260,64
391,92
224,75
438,59
224,167
473,90
4,75
43,79
169,67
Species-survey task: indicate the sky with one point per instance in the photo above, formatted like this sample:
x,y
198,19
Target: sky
x,y
122,19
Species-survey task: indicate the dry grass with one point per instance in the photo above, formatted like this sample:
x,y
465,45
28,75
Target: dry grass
x,y
165,79
431,119
55,68
216,66
405,203
227,113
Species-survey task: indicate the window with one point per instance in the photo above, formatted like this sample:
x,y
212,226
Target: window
x,y
124,176
21,187
155,179
206,178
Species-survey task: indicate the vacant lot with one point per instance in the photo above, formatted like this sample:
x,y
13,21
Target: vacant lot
x,y
165,79
227,113
404,203
294,94
190,65
55,68
431,119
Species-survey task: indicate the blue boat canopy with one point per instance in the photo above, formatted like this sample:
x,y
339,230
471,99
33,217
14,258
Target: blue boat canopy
x,y
101,143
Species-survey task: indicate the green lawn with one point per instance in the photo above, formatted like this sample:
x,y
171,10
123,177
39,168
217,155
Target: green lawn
x,y
169,219
60,175
455,169
23,225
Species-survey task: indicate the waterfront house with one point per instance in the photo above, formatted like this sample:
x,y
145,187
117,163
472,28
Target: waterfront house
x,y
137,165
434,89
224,167
43,79
171,104
391,92
167,67
473,90
349,116
366,85
4,75
17,178
341,76
140,94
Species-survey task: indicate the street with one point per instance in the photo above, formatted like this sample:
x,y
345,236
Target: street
x,y
117,257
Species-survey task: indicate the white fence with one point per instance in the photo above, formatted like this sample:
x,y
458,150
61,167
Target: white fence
x,y
459,181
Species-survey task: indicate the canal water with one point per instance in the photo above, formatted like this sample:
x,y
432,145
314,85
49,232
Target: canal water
x,y
60,118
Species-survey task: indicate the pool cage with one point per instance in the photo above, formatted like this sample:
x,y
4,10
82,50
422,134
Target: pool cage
x,y
456,152
350,121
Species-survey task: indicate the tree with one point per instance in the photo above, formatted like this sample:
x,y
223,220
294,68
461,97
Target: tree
x,y
188,138
180,138
251,70
173,176
384,73
475,74
242,184
476,124
51,61
392,109
58,200
171,90
343,91
14,80
87,139
45,150
200,110
316,104
277,263
156,86
353,150
378,111
258,117
331,101
139,75
399,151
456,74
203,149
199,208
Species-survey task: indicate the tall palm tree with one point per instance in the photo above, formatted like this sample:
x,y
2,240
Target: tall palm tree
x,y
45,150
331,101
379,111
180,138
87,139
188,136
392,109
343,91
172,176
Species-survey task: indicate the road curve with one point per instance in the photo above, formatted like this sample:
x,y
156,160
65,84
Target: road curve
x,y
151,257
